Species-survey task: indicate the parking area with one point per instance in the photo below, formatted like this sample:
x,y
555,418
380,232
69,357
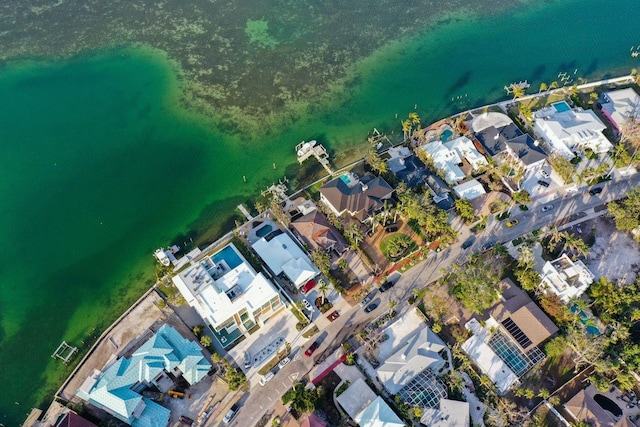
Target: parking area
x,y
539,192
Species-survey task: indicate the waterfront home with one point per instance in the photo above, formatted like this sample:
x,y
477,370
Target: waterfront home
x,y
507,346
228,294
565,278
448,413
366,408
283,256
504,141
469,190
117,388
397,158
567,131
315,231
620,106
354,197
411,361
449,156
71,419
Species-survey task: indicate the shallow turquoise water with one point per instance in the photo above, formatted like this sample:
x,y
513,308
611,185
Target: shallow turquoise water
x,y
99,168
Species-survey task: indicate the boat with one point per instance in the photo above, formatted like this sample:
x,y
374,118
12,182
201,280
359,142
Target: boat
x,y
162,257
304,147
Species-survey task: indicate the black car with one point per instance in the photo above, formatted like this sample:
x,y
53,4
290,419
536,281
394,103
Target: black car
x,y
595,190
186,420
391,229
371,307
543,183
488,245
468,242
386,286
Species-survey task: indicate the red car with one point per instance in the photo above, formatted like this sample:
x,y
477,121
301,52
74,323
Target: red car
x,y
312,348
308,286
333,316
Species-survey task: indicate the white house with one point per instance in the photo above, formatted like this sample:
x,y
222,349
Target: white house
x,y
228,294
566,278
619,105
367,408
469,190
568,130
449,413
448,157
283,255
465,149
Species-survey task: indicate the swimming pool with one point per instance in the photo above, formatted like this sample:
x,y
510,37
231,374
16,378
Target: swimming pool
x,y
345,178
229,255
585,318
263,231
445,135
561,106
509,353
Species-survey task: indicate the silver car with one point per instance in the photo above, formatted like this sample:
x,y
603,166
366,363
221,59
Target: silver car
x,y
547,208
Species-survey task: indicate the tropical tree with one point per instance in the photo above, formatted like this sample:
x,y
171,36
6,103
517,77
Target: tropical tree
x,y
392,306
464,208
563,167
522,197
626,213
375,162
205,340
554,237
574,245
586,349
322,260
354,234
406,128
543,87
323,289
475,284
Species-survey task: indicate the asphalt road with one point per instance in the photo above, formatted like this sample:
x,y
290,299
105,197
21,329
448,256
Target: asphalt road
x,y
258,400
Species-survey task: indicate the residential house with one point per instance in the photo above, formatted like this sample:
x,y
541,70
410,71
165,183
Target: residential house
x,y
449,156
469,190
397,158
71,419
367,408
315,231
313,421
449,413
618,106
584,407
228,294
507,346
440,192
565,278
117,389
568,131
416,360
355,197
504,141
283,256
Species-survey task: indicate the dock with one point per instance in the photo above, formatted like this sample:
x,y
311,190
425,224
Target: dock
x,y
305,150
245,212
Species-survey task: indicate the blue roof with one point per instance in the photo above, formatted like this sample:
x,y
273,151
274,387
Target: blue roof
x,y
164,351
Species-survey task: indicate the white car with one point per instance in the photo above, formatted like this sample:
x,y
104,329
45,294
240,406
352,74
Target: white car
x,y
307,305
547,208
544,173
267,378
283,362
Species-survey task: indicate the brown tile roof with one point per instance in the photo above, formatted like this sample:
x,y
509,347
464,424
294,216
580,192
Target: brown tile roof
x,y
71,419
317,232
582,407
516,305
360,198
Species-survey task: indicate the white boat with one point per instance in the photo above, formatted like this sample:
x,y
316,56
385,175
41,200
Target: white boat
x,y
162,257
305,147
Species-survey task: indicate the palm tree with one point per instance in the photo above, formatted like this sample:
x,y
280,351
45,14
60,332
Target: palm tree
x,y
543,87
323,289
406,128
392,306
355,234
575,245
555,237
386,211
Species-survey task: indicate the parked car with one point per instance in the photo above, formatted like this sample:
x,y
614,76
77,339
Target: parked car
x,y
595,190
543,183
265,379
488,245
371,307
386,286
307,305
186,420
366,300
231,414
512,223
544,173
547,208
468,242
313,347
283,362
308,286
247,360
391,229
333,316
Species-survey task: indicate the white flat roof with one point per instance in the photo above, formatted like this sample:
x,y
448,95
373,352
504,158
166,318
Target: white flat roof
x,y
378,414
217,299
490,363
282,254
356,398
450,413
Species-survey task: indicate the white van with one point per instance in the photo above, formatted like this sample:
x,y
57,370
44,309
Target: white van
x,y
267,378
283,362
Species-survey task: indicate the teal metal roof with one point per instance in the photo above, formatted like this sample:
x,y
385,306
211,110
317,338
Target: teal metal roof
x,y
164,351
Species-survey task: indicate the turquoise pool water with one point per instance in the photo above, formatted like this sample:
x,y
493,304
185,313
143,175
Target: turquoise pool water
x,y
584,318
345,179
445,135
229,255
509,353
264,230
561,106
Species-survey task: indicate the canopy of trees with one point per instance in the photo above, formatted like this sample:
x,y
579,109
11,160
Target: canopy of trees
x,y
475,284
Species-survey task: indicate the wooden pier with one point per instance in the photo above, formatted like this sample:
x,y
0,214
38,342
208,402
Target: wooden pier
x,y
304,150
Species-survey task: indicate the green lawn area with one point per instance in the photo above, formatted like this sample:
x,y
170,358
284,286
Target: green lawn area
x,y
397,246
